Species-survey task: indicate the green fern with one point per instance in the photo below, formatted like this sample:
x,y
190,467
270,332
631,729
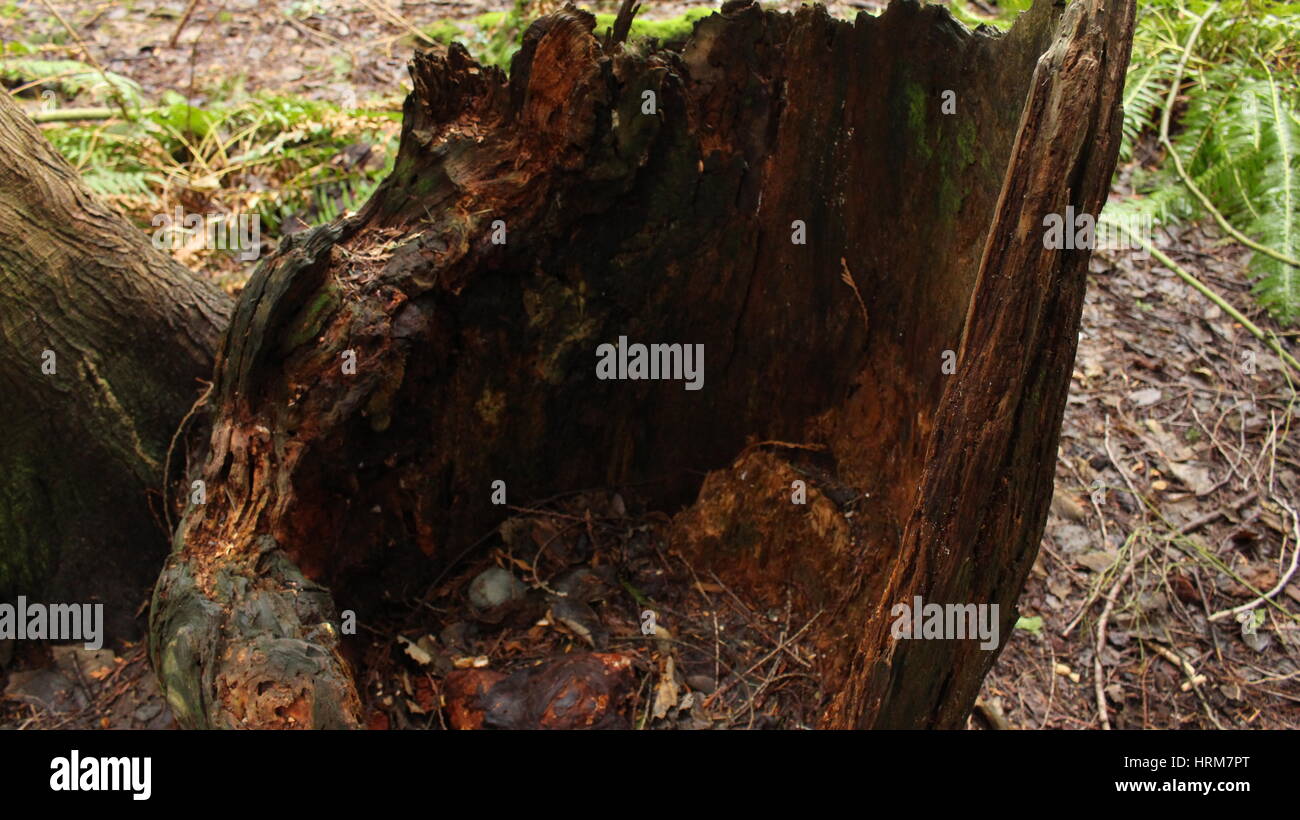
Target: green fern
x,y
72,77
1236,130
1279,287
1144,93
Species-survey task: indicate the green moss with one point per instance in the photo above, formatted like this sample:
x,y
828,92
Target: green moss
x,y
496,35
909,105
956,165
311,319
950,197
1008,11
967,139
915,99
675,28
443,31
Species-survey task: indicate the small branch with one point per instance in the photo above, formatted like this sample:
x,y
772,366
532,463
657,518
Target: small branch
x,y
1283,581
79,114
1215,298
1196,523
114,92
185,19
377,7
623,22
1179,661
1099,678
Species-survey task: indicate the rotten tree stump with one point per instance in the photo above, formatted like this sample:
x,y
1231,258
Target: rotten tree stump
x,y
847,216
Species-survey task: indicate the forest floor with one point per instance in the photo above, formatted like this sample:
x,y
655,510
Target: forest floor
x,y
1163,595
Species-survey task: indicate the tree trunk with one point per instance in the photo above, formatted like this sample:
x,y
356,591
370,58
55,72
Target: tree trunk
x,y
103,340
801,196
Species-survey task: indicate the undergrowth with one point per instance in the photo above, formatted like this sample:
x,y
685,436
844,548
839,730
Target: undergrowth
x,y
1234,127
294,162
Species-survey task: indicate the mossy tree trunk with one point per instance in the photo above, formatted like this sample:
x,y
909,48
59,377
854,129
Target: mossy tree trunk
x,y
103,343
834,210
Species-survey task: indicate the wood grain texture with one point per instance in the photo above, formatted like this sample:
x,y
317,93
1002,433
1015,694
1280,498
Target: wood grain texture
x,y
476,361
132,333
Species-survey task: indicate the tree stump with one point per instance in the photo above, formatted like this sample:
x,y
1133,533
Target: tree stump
x,y
846,216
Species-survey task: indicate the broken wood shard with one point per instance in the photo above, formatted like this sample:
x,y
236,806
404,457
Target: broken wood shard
x,y
474,359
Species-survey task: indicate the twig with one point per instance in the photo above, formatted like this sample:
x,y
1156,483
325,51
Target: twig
x,y
114,92
1177,660
1128,482
1095,592
185,19
1197,523
1216,299
1283,581
394,17
748,615
623,22
81,114
709,701
1099,679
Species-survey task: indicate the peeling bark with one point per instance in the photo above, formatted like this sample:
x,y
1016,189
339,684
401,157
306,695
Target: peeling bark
x,y
475,361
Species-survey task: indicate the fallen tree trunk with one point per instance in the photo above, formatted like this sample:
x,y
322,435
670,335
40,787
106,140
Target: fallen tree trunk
x,y
103,341
846,216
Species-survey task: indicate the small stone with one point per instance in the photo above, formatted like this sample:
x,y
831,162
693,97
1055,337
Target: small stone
x,y
701,683
457,635
147,712
45,688
495,587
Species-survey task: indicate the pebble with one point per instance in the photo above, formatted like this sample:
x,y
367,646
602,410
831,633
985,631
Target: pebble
x,y
495,587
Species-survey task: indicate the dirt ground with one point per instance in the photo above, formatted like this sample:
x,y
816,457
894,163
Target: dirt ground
x,y
1163,596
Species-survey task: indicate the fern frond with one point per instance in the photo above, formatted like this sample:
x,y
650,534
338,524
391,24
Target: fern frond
x,y
1279,287
72,77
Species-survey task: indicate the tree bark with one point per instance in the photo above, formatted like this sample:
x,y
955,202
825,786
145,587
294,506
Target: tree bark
x,y
127,334
802,201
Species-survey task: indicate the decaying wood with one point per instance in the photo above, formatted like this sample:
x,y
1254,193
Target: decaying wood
x,y
583,691
128,334
475,359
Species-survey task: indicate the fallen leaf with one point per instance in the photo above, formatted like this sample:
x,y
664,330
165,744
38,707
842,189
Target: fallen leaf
x,y
1146,397
415,651
666,690
1098,561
